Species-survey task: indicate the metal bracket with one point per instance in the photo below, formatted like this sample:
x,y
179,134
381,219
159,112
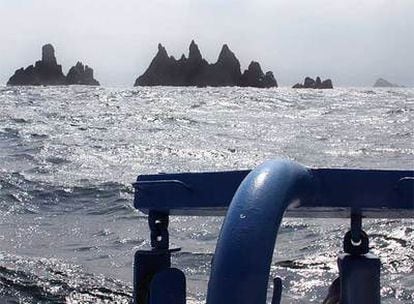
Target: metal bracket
x,y
359,270
152,267
158,224
356,241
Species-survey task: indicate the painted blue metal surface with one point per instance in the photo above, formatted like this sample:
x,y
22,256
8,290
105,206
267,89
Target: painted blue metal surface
x,y
206,193
146,265
168,287
360,279
241,264
377,193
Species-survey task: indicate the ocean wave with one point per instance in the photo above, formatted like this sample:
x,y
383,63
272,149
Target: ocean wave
x,y
20,195
51,281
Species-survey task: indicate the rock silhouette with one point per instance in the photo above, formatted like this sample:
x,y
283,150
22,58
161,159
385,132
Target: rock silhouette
x,y
382,83
81,75
163,70
48,55
196,71
254,77
44,72
226,71
310,83
48,72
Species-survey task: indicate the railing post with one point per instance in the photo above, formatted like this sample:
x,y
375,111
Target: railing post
x,y
359,270
241,264
155,282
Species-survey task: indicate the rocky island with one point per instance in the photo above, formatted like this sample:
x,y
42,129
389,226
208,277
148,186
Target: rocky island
x,y
47,72
310,83
196,71
382,83
80,74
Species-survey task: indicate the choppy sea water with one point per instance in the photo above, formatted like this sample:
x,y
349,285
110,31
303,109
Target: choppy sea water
x,y
68,156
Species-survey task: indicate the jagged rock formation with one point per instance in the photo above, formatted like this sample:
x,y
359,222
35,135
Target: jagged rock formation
x,y
80,74
163,70
254,77
48,72
196,71
225,72
44,72
310,83
382,83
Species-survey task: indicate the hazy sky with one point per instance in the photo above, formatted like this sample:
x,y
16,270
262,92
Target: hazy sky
x,y
351,41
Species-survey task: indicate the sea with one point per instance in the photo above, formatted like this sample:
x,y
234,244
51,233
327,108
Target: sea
x,y
69,156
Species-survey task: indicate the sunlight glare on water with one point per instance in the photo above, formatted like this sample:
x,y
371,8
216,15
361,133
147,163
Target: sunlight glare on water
x,y
69,155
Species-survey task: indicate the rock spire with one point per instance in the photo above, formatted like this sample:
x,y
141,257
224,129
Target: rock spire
x,y
82,75
48,72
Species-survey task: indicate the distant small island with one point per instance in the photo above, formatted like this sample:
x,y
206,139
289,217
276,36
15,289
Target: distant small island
x,y
47,72
382,83
165,70
310,83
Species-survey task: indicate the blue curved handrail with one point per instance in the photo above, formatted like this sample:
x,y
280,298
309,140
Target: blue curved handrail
x,y
241,264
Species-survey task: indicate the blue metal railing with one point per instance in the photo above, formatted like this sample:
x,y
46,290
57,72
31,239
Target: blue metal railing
x,y
254,203
241,264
